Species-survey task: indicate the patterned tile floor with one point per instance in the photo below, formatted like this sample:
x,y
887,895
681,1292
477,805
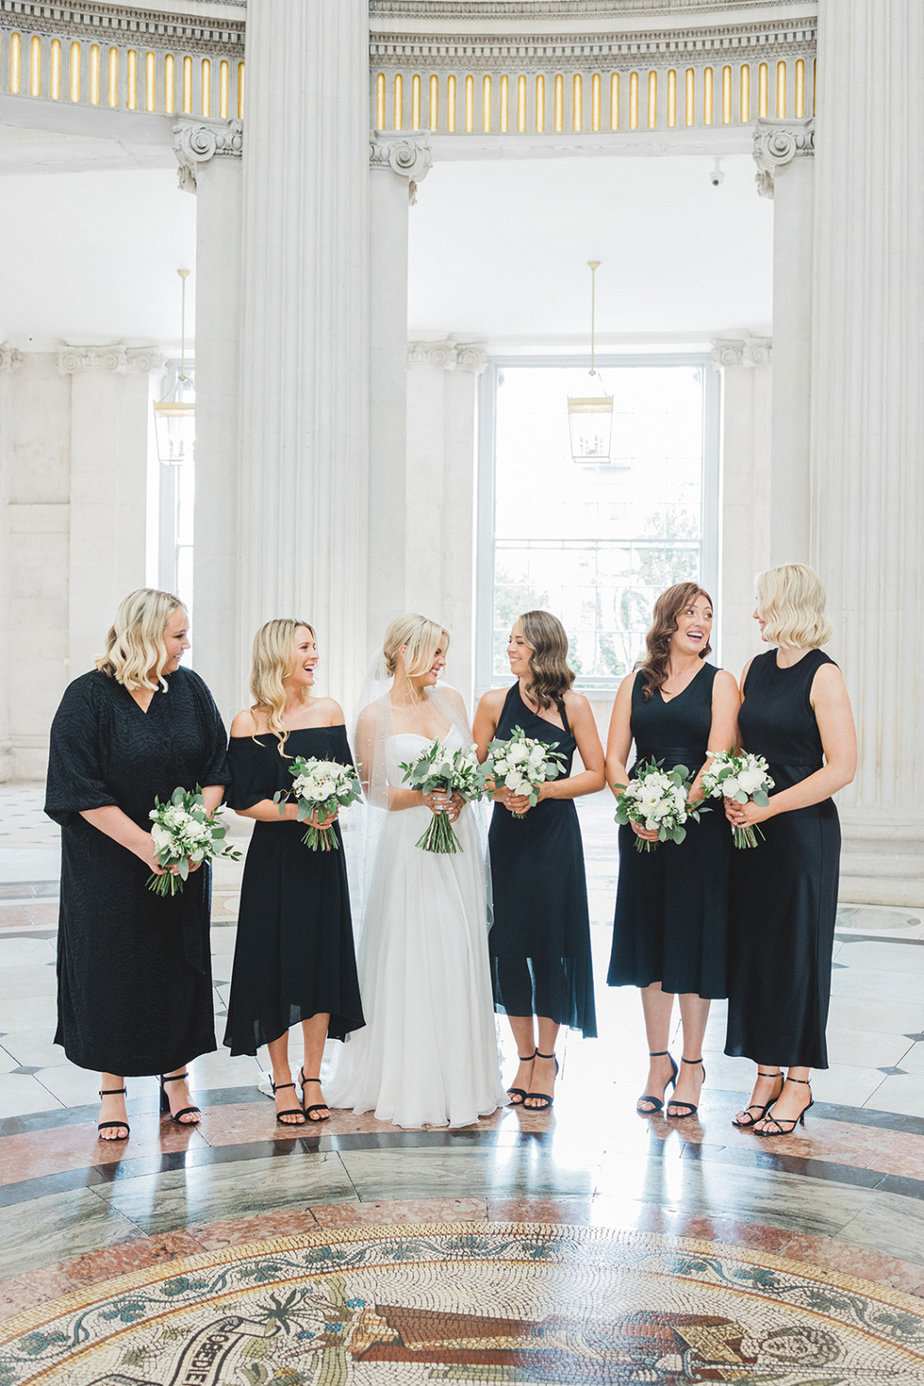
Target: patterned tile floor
x,y
844,1194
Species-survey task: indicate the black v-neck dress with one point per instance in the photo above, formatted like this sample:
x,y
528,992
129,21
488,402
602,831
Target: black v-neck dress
x,y
293,956
134,970
539,943
671,923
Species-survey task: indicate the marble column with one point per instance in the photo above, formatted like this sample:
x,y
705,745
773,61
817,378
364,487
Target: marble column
x,y
868,418
10,360
209,156
442,382
783,152
304,439
746,486
397,164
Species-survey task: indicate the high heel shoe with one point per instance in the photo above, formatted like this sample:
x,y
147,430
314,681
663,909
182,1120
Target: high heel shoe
x,y
165,1101
315,1106
520,1094
547,1098
785,1126
749,1121
107,1125
657,1103
288,1111
691,1109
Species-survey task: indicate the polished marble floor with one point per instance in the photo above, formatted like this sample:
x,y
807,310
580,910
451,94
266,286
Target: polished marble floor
x,y
844,1193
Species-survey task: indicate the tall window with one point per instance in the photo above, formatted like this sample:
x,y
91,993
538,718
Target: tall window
x,y
594,543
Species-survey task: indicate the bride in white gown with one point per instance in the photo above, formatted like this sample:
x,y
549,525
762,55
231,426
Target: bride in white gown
x,y
428,1053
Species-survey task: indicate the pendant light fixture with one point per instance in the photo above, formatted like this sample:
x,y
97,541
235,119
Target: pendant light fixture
x,y
590,416
175,416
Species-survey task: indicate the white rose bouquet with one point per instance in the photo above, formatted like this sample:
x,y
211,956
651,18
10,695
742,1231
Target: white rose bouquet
x,y
740,778
522,764
185,836
322,788
657,800
453,772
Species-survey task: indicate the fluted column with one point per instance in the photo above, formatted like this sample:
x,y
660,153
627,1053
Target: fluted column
x,y
209,156
397,164
783,152
303,485
868,411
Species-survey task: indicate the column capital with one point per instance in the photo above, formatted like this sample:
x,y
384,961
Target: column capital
x,y
195,141
776,144
408,156
449,356
741,351
116,358
10,358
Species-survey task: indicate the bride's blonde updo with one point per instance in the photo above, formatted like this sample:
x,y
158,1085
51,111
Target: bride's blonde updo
x,y
274,658
420,637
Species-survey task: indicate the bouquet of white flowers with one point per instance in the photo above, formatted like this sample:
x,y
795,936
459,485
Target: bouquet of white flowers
x,y
740,778
184,836
521,764
320,787
658,800
454,772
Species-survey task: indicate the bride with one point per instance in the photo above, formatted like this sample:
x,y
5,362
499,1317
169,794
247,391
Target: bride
x,y
428,1053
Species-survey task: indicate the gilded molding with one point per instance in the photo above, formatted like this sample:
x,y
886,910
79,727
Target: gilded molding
x,y
11,359
449,356
114,23
533,10
741,351
776,144
195,141
116,358
407,155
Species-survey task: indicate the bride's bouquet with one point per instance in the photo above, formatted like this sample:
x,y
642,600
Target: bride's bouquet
x,y
522,765
740,778
657,800
454,772
320,788
185,836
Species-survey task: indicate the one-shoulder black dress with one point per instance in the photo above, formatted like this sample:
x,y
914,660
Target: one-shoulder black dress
x,y
134,970
293,957
539,943
671,921
783,898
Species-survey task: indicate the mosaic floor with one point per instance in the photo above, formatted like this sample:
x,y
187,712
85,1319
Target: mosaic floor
x,y
768,1230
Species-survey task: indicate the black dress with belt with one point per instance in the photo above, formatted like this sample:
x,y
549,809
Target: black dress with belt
x,y
293,956
539,943
134,970
671,921
784,891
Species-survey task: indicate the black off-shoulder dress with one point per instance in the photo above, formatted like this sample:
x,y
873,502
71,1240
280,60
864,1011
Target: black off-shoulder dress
x,y
294,955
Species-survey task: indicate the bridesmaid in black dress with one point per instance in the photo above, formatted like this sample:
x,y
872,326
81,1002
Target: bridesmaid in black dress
x,y
670,930
796,713
540,940
293,957
134,969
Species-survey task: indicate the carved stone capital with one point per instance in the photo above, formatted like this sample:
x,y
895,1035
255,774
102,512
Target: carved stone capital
x,y
10,358
471,356
776,144
741,351
407,155
448,356
757,351
197,141
116,358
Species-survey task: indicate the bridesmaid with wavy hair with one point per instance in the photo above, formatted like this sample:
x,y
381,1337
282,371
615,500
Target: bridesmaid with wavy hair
x,y
293,960
540,940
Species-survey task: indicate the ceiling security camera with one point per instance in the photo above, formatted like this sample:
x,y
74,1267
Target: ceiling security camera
x,y
717,177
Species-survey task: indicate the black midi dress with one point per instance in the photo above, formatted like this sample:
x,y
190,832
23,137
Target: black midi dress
x,y
293,957
671,922
539,943
134,970
783,898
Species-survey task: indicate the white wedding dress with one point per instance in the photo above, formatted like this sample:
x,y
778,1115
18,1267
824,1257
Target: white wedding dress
x,y
428,1053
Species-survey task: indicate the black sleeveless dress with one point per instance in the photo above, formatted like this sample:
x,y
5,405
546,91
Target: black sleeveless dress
x,y
293,957
784,891
671,922
539,943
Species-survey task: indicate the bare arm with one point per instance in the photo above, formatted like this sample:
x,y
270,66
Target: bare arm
x,y
591,778
723,733
619,736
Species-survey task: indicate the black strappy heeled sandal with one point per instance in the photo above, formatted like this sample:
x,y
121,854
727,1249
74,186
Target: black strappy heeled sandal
x,y
657,1103
288,1111
165,1101
784,1122
520,1094
547,1098
750,1121
111,1125
691,1110
315,1106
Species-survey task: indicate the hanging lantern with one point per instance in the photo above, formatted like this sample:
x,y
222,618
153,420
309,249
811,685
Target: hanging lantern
x,y
590,416
175,416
